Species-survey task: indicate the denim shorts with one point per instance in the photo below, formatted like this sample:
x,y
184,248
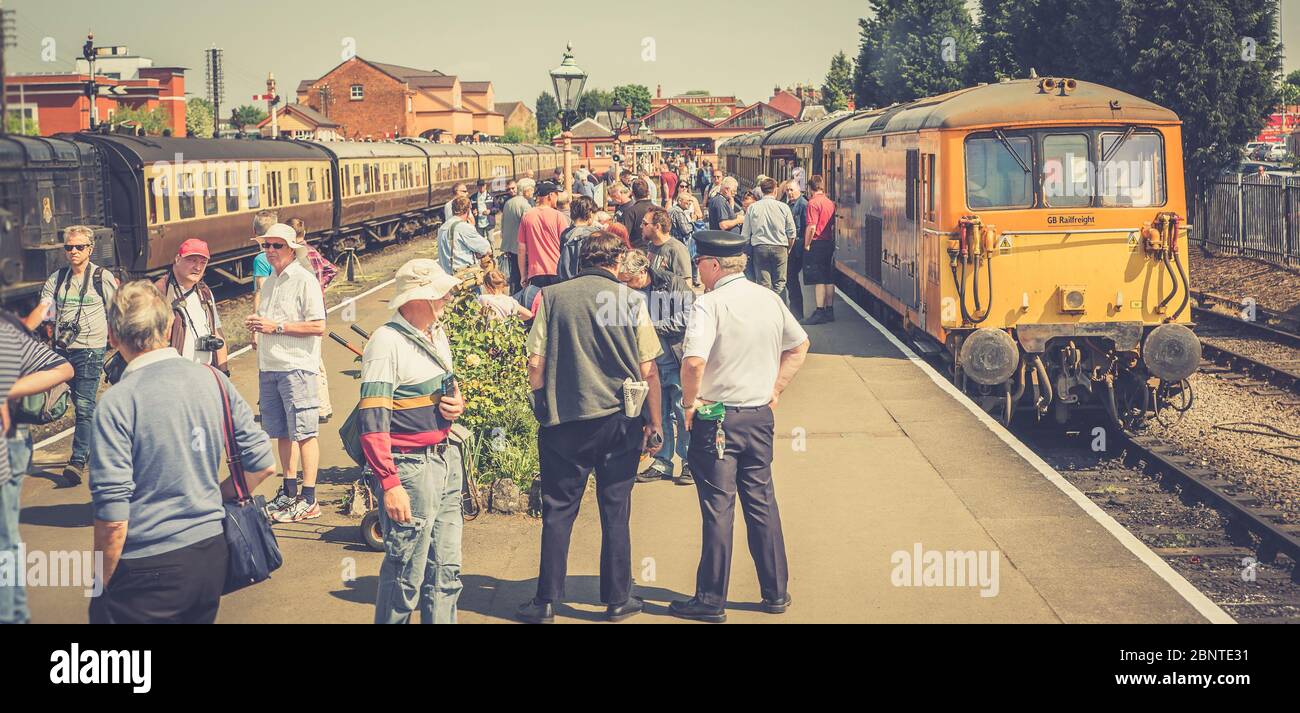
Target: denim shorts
x,y
290,400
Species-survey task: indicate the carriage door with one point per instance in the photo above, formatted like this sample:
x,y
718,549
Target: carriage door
x,y
907,286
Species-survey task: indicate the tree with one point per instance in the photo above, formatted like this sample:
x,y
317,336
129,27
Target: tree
x,y
912,49
839,83
996,55
593,101
198,117
18,123
636,96
548,132
695,93
153,121
548,110
1291,88
247,115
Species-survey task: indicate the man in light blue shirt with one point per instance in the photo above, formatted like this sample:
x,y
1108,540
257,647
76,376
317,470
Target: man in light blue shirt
x,y
459,244
481,210
769,227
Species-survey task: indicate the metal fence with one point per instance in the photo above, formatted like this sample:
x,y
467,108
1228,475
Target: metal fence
x,y
1254,216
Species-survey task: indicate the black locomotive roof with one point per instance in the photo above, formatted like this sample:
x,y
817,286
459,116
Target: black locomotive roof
x,y
19,151
804,132
150,149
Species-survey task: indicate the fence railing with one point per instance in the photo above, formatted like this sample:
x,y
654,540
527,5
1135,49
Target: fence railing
x,y
1253,216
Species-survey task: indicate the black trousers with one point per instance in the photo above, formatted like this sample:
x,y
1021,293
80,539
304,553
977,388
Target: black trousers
x,y
793,285
568,453
178,587
744,469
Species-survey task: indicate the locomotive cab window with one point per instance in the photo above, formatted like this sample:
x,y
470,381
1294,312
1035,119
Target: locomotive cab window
x,y
1132,171
996,175
1067,173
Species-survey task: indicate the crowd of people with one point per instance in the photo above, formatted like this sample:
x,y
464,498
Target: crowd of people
x,y
627,361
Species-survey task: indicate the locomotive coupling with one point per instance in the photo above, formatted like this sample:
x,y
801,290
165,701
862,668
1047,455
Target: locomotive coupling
x,y
1171,352
989,356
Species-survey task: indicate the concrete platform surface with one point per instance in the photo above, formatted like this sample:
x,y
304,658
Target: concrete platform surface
x,y
900,503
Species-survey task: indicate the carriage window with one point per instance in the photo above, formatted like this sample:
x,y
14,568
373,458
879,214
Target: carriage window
x,y
857,176
254,190
294,193
1135,174
326,188
311,184
151,188
232,191
210,193
1067,178
994,178
166,194
185,192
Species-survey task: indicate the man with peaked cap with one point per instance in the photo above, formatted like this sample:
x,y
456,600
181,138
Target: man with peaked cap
x,y
409,400
742,347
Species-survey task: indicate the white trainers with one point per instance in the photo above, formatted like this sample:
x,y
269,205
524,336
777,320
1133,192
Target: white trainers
x,y
280,502
297,511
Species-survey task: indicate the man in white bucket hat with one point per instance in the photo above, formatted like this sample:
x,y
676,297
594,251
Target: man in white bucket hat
x,y
409,400
290,320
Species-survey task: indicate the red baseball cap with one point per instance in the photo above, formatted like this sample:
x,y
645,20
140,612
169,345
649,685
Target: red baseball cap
x,y
194,246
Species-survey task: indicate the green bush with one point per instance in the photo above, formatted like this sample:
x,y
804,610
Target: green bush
x,y
491,366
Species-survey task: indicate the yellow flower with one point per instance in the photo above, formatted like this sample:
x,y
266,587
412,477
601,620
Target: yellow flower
x,y
473,360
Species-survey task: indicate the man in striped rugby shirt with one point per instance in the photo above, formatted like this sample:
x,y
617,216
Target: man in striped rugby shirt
x,y
26,367
408,403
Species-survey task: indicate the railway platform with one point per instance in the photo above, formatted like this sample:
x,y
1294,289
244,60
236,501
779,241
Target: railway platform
x,y
900,503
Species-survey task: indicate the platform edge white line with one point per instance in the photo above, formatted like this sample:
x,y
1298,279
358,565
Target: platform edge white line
x,y
247,348
1203,604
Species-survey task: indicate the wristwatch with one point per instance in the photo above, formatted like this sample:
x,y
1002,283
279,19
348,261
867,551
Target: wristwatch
x,y
279,327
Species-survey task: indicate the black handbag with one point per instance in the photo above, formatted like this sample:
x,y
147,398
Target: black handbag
x,y
254,553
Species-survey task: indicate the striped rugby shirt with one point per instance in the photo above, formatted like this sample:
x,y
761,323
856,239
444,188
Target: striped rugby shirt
x,y
20,355
400,387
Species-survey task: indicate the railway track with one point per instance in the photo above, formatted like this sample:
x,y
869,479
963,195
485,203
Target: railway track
x,y
1263,349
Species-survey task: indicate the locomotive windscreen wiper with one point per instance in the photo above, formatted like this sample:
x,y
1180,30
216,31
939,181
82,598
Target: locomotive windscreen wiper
x,y
1111,153
1003,138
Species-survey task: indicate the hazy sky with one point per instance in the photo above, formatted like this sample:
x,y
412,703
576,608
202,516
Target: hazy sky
x,y
727,48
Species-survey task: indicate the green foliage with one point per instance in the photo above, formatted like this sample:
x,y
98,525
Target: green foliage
x,y
491,369
549,132
593,101
912,49
198,117
636,96
1189,55
695,93
16,123
153,121
839,83
247,116
548,111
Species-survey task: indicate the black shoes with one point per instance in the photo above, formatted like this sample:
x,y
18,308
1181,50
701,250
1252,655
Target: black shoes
x,y
72,475
695,609
656,471
821,315
619,612
535,612
776,607
685,477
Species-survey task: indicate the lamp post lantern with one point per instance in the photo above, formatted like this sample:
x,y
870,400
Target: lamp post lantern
x,y
617,120
568,80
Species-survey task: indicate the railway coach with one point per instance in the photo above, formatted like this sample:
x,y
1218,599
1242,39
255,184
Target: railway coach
x,y
1030,231
143,196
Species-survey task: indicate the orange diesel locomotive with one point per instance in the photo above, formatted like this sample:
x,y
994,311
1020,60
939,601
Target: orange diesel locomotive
x,y
1032,231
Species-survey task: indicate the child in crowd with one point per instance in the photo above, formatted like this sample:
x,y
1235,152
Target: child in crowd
x,y
496,299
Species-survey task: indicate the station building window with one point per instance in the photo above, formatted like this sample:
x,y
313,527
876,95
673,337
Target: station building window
x,y
358,92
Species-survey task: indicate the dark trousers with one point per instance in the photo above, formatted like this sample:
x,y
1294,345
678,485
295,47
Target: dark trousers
x,y
568,452
744,469
793,285
510,265
178,587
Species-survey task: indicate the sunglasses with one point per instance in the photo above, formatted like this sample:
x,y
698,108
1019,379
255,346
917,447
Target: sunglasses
x,y
702,258
77,248
276,246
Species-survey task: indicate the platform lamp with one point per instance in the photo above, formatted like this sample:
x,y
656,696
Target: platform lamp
x,y
568,80
617,120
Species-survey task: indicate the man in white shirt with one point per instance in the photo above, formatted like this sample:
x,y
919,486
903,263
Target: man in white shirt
x,y
196,327
742,348
290,320
459,190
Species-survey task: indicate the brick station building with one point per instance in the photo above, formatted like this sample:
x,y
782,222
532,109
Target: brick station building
x,y
56,101
375,100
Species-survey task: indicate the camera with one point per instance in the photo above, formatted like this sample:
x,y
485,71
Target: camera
x,y
65,333
208,343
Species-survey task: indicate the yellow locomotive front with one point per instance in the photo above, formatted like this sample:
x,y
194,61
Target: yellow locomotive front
x,y
1061,249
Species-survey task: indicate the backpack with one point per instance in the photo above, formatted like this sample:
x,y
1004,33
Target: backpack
x,y
42,408
96,280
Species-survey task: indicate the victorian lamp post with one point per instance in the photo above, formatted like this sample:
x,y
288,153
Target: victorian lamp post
x,y
568,80
617,120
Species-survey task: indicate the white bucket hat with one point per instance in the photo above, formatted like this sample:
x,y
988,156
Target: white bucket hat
x,y
421,279
290,236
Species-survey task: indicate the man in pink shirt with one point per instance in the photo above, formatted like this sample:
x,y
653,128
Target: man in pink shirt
x,y
670,184
539,237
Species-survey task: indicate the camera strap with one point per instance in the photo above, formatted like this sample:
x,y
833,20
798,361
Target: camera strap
x,y
81,299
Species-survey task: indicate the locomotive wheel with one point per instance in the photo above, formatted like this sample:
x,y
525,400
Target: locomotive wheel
x,y
997,405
